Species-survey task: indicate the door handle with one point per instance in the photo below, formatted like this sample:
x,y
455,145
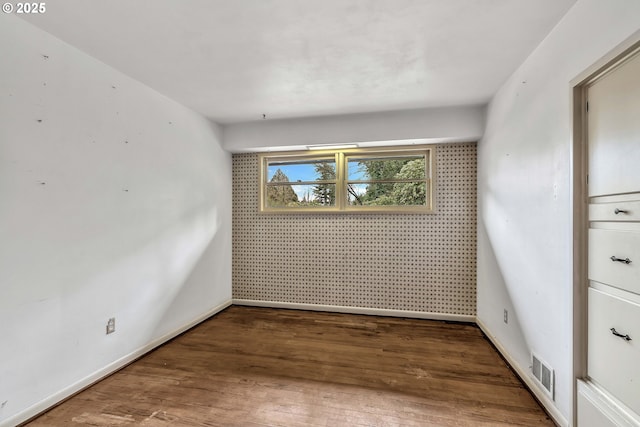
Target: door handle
x,y
616,259
618,334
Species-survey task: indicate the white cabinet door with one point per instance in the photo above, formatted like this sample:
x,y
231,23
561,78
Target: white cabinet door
x,y
614,131
590,415
615,211
614,258
597,410
614,346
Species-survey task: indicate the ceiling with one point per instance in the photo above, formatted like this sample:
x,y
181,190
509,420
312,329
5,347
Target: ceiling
x,y
235,60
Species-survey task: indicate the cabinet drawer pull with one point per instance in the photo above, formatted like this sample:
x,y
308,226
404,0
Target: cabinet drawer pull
x,y
625,260
619,211
618,334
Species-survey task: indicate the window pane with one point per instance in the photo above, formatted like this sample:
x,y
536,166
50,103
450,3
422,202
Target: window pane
x,y
355,193
293,195
388,194
364,179
385,168
302,170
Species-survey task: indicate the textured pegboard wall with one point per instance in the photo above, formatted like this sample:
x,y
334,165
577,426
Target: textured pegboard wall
x,y
417,262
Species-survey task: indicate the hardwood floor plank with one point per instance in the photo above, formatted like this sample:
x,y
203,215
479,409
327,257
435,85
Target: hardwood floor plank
x,y
260,367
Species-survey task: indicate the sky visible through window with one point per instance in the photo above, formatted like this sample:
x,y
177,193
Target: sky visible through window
x,y
295,172
301,172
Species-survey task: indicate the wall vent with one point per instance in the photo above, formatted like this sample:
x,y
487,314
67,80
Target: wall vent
x,y
543,373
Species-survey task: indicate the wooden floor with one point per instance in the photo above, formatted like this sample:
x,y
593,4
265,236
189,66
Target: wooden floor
x,y
266,367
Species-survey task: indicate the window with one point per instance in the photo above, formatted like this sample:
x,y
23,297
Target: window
x,y
354,180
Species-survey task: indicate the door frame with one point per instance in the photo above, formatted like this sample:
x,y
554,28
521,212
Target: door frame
x,y
579,199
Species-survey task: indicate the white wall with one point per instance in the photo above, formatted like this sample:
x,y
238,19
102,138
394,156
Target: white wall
x,y
524,189
458,124
114,202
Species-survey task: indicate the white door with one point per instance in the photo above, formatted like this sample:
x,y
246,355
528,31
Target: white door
x,y
614,133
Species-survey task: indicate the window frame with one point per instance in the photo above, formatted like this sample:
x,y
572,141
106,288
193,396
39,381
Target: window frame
x,y
341,157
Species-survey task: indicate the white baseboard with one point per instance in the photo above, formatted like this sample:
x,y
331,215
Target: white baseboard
x,y
524,375
357,310
93,378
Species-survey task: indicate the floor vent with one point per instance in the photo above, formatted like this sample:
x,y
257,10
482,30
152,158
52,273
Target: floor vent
x,y
543,373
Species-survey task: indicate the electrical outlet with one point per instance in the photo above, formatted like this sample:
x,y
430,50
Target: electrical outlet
x,y
111,325
506,316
